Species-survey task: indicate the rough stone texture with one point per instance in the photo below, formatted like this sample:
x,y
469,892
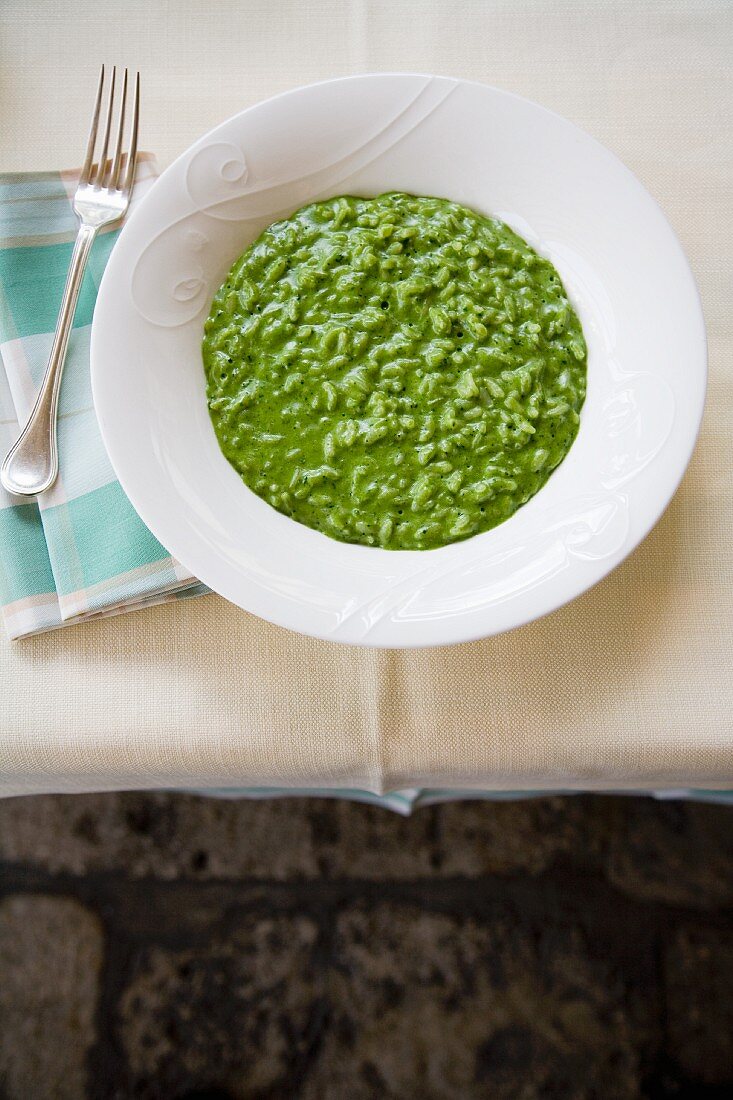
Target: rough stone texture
x,y
578,948
680,853
699,976
169,835
521,836
240,1009
50,958
473,1008
157,834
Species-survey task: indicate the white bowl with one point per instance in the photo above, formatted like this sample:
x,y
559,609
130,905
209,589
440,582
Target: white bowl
x,y
573,200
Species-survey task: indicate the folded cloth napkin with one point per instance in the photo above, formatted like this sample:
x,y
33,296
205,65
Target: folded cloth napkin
x,y
80,551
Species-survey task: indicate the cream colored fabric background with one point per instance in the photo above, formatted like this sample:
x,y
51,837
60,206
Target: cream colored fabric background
x,y
631,685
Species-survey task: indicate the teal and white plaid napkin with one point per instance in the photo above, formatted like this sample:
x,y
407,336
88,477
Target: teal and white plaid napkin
x,y
80,551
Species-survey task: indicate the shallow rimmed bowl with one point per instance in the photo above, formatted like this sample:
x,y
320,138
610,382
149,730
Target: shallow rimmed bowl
x,y
567,195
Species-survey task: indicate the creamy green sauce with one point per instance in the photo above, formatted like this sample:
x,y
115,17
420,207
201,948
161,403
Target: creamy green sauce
x,y
399,372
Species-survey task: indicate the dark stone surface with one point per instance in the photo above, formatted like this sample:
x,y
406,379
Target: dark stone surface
x,y
168,836
491,1005
681,853
243,1007
699,978
157,945
50,958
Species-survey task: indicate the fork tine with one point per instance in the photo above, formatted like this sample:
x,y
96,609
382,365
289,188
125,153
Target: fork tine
x,y
132,155
116,165
89,158
102,165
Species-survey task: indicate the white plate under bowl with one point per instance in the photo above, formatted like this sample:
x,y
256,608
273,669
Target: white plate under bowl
x,y
573,200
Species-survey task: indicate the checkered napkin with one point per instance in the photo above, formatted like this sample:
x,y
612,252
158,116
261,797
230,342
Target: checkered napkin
x,y
80,551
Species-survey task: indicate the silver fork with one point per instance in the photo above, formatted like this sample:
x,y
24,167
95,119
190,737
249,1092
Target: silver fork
x,y
102,197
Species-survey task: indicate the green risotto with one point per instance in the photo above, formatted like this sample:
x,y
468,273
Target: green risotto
x,y
399,372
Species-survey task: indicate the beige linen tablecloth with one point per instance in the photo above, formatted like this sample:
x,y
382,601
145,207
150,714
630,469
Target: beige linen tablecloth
x,y
631,686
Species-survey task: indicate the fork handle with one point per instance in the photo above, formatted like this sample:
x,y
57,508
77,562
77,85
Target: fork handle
x,y
32,464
